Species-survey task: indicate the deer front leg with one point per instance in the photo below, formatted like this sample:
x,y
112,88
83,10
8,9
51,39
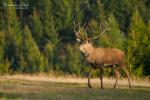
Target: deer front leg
x,y
117,75
101,78
89,83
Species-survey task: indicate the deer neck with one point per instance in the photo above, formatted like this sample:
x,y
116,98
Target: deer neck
x,y
89,51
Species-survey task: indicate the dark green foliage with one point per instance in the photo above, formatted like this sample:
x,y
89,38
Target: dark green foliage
x,y
12,30
41,38
63,13
48,23
31,60
72,62
138,44
37,28
49,53
4,64
116,38
2,44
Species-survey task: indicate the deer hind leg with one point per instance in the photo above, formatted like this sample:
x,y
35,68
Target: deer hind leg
x,y
89,83
117,75
101,78
127,74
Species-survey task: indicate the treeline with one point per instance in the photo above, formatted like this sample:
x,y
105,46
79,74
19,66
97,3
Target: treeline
x,y
41,37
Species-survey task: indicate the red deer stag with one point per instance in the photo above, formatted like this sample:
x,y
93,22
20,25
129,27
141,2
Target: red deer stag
x,y
100,58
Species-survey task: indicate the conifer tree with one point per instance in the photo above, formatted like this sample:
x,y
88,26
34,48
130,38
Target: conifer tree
x,y
45,10
2,41
136,37
122,11
32,59
146,51
49,54
37,29
72,63
13,35
116,38
4,64
63,13
50,35
77,10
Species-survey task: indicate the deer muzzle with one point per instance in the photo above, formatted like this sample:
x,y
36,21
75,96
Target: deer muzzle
x,y
81,49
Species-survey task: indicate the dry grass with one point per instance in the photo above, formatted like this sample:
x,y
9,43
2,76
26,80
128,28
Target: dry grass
x,y
76,80
49,87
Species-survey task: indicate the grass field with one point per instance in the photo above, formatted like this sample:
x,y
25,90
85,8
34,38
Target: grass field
x,y
27,87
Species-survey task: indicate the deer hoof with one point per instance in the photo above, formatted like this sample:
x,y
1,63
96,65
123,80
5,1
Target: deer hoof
x,y
89,86
102,88
130,87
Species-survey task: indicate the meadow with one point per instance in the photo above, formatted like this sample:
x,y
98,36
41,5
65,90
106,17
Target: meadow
x,y
26,87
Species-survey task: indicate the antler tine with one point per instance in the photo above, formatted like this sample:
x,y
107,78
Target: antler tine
x,y
86,29
106,25
105,29
85,33
100,26
80,31
84,25
78,35
75,25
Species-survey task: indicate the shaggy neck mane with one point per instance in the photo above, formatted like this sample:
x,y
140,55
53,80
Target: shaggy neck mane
x,y
89,50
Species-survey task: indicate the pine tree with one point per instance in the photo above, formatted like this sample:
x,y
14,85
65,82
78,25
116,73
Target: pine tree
x,y
146,50
13,35
31,59
2,41
37,29
50,35
116,38
64,17
122,10
49,31
100,15
77,10
72,63
63,13
4,64
136,37
49,53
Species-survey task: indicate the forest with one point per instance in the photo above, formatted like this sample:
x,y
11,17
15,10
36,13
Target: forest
x,y
37,36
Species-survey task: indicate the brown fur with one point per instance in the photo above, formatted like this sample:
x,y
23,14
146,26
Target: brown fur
x,y
104,56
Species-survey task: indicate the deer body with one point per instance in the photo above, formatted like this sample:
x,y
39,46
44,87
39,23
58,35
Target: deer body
x,y
99,57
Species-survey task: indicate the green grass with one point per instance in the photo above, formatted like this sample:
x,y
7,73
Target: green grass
x,y
34,90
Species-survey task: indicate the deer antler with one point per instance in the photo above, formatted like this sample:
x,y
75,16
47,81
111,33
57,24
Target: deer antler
x,y
80,33
104,30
